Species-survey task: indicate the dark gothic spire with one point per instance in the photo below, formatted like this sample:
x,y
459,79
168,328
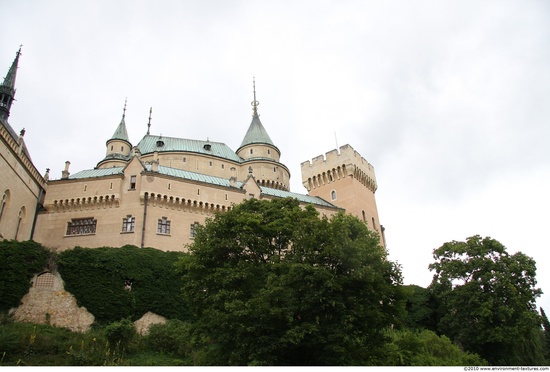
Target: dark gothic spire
x,y
7,89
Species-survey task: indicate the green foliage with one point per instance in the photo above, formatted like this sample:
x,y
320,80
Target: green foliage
x,y
120,333
426,348
273,284
20,261
44,345
172,337
421,308
487,300
97,278
546,327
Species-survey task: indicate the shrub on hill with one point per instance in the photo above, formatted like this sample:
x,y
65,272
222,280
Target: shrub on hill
x,y
20,261
126,282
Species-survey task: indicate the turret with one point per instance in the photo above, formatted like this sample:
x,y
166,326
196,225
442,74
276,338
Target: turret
x,y
118,147
258,151
344,178
7,89
256,142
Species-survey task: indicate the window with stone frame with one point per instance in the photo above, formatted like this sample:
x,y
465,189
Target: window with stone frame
x,y
193,230
163,226
128,223
81,226
3,204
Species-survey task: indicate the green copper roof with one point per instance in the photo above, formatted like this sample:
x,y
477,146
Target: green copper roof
x,y
120,132
199,177
301,197
179,173
152,143
256,133
94,173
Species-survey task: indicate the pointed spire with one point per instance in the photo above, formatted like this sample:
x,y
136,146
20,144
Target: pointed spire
x,y
7,89
120,132
254,103
149,123
256,132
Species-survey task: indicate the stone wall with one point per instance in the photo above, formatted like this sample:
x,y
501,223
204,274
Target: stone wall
x,y
48,303
143,324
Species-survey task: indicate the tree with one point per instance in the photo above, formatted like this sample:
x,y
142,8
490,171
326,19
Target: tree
x,y
271,283
421,308
426,348
546,327
487,299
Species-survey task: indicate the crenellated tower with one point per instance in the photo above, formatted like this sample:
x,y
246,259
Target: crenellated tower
x,y
7,89
259,152
118,146
344,178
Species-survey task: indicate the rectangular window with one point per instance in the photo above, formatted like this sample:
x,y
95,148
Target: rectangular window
x,y
193,231
163,226
81,226
128,224
132,182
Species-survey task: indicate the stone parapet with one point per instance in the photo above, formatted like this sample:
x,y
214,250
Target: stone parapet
x,y
335,165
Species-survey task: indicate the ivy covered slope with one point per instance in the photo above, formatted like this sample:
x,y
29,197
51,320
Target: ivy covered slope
x,y
19,262
126,282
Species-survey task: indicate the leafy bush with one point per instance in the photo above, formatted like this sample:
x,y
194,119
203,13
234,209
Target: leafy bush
x,y
20,261
172,338
98,277
425,348
120,333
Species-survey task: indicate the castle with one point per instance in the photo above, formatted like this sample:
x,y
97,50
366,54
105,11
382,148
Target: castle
x,y
155,193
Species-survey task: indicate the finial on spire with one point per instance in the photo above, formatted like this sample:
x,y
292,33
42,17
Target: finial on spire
x,y
124,109
149,123
254,103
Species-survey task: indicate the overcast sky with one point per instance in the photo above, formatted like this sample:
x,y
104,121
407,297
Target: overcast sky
x,y
449,100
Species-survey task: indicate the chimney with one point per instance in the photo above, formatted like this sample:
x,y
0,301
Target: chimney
x,y
155,166
65,173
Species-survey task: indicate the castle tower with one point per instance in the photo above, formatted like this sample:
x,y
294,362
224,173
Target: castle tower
x,y
118,146
347,180
258,149
7,89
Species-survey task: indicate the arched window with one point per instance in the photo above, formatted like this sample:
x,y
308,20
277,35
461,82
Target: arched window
x,y
45,281
20,220
364,217
373,224
4,205
333,194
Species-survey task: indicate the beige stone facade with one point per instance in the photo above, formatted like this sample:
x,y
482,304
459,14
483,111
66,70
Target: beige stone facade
x,y
344,178
154,193
21,187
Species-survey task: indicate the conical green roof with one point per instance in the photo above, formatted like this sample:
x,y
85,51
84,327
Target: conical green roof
x,y
256,133
120,132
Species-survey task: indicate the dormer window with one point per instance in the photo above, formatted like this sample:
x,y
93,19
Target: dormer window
x,y
160,143
207,146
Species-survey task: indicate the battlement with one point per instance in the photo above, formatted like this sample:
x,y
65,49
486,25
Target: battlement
x,y
335,165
